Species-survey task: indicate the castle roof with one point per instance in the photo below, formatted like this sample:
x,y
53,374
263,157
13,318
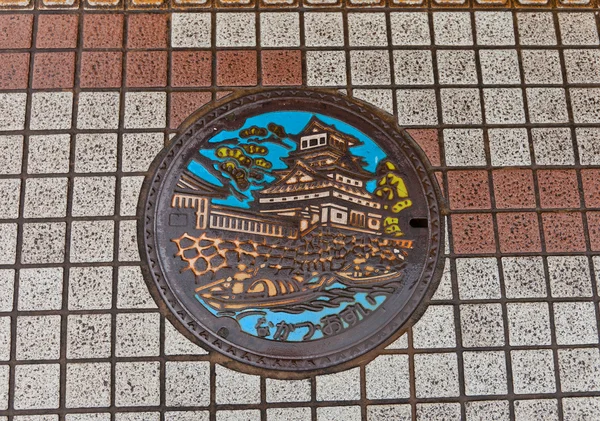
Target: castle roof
x,y
315,125
302,178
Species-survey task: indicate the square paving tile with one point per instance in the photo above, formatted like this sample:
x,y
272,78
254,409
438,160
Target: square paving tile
x,y
370,67
574,325
98,110
103,30
529,324
137,383
37,386
519,232
88,385
578,28
339,386
90,288
190,30
280,29
563,232
57,31
236,29
473,233
38,338
553,146
51,110
456,67
579,369
179,392
281,67
536,28
452,28
12,107
53,70
147,30
14,70
323,29
513,188
485,373
367,29
16,31
89,336
499,67
101,69
236,68
191,68
411,67
40,289
11,154
43,242
541,67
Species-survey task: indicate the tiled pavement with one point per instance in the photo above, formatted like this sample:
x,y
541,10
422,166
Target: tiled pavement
x,y
513,95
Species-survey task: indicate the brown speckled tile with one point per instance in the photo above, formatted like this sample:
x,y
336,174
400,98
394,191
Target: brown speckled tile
x,y
16,31
591,187
101,69
53,70
147,69
468,190
593,222
428,140
563,232
473,233
519,232
513,188
102,31
14,70
281,67
147,31
558,188
191,68
57,31
236,68
185,103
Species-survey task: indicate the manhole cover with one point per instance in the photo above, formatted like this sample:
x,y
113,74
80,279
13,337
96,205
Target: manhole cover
x,y
291,230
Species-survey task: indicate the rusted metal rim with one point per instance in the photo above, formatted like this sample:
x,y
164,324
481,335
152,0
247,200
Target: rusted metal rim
x,y
293,231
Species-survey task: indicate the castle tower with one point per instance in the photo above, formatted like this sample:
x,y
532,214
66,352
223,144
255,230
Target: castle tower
x,y
324,185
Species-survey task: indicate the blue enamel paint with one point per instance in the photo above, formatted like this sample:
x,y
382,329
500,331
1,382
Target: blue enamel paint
x,y
293,122
198,169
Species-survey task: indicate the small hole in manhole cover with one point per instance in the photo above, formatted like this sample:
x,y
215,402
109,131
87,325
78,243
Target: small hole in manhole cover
x,y
418,223
297,231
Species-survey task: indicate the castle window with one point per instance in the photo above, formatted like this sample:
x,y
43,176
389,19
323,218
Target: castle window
x,y
322,140
339,215
304,144
313,142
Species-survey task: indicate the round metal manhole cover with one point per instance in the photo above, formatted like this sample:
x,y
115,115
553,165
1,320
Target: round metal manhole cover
x,y
295,231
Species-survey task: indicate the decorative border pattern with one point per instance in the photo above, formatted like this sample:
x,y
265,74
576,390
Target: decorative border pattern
x,y
288,368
